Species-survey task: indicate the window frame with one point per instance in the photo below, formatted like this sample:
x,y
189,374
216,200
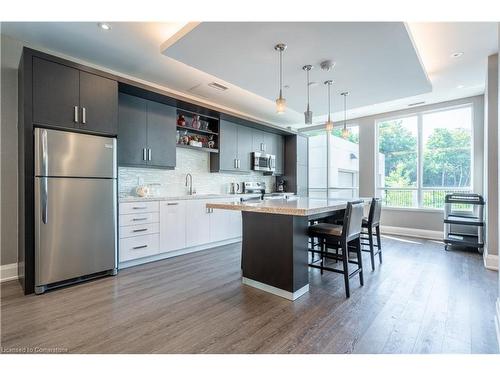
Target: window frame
x,y
420,157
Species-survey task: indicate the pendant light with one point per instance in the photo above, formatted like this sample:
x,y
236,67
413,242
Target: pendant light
x,y
345,131
280,102
329,123
308,115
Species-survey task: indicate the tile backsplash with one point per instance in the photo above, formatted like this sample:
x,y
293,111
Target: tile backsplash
x,y
172,182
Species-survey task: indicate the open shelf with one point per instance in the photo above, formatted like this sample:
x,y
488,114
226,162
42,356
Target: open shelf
x,y
193,130
464,220
206,149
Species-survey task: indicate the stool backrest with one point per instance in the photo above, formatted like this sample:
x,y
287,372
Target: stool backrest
x,y
352,220
375,210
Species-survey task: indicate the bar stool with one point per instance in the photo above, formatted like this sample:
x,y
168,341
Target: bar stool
x,y
342,237
369,225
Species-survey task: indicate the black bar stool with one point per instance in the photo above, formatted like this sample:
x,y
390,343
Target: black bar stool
x,y
371,228
333,236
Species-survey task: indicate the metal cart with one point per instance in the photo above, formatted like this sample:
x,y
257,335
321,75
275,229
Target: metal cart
x,y
464,220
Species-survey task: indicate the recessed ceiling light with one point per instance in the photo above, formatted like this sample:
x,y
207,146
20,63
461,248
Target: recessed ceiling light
x,y
460,86
456,55
217,86
104,26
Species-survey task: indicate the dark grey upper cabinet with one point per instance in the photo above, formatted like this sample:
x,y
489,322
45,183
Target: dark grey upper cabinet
x,y
132,130
146,133
258,141
244,148
161,121
228,147
235,148
98,104
55,94
69,98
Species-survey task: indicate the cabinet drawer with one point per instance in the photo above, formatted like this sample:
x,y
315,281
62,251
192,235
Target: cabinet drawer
x,y
139,219
139,230
138,207
138,247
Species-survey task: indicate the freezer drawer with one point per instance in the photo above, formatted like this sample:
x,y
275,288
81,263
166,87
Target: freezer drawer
x,y
75,228
67,154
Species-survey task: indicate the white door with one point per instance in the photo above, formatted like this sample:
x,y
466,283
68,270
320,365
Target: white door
x,y
197,222
172,225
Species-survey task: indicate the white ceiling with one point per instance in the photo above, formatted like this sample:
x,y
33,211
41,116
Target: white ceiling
x,y
372,59
133,49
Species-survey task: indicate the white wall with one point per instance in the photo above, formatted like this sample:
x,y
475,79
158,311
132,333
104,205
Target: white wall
x,y
491,156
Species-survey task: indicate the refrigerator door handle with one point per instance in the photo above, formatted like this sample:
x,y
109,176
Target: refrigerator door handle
x,y
44,199
45,155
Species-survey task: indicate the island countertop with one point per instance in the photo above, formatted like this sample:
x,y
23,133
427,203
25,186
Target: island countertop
x,y
300,206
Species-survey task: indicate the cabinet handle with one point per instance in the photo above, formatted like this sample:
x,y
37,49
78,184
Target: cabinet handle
x,y
84,115
140,230
75,113
139,247
149,154
144,154
235,163
172,204
139,208
239,163
139,219
262,147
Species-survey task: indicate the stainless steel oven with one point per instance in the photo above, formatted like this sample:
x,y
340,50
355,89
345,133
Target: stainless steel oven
x,y
263,162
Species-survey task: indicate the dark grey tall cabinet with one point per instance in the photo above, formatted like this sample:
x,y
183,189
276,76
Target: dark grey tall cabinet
x,y
296,164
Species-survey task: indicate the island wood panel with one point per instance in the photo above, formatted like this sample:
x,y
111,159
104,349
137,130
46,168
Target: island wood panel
x,y
274,250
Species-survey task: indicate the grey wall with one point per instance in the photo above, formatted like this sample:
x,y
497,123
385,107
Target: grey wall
x,y
491,155
11,53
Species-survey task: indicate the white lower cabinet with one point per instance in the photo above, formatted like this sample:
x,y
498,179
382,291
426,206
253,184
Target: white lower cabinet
x,y
197,222
179,225
172,225
224,224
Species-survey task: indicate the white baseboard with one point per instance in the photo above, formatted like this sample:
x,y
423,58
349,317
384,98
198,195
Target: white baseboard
x,y
292,296
8,272
412,232
497,322
171,254
490,260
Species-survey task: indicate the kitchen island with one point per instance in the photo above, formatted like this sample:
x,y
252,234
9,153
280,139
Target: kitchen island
x,y
275,241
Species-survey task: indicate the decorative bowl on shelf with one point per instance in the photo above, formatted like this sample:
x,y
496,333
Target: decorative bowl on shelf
x,y
195,143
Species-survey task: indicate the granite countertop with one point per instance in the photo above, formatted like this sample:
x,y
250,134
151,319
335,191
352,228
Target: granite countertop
x,y
300,206
133,198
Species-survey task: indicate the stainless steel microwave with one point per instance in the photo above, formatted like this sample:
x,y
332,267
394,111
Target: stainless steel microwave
x,y
263,162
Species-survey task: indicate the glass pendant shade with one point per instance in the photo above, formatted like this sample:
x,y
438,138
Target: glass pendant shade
x,y
329,126
280,105
345,132
308,116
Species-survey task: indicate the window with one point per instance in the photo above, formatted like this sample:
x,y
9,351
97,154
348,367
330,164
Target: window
x,y
333,163
425,156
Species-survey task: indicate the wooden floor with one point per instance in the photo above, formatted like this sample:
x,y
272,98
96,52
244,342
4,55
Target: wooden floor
x,y
422,300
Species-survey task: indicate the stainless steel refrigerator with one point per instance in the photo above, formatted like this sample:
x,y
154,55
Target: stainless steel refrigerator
x,y
75,207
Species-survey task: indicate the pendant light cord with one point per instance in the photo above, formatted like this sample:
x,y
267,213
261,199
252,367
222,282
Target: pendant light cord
x,y
281,73
329,102
307,72
345,112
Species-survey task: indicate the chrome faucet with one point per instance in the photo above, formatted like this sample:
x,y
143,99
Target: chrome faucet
x,y
190,184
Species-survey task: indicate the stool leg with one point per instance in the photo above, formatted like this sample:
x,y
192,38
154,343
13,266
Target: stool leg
x,y
360,261
345,258
323,250
370,241
379,244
